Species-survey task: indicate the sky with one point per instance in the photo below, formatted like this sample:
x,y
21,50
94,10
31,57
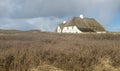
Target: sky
x,y
45,15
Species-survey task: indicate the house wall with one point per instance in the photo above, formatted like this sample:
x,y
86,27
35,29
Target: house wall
x,y
59,29
101,32
71,29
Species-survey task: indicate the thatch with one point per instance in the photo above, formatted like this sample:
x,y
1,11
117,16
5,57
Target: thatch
x,y
86,29
85,25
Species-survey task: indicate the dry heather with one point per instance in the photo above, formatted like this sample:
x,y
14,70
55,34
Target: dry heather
x,y
40,51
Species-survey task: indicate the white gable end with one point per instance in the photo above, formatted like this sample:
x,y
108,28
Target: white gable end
x,y
59,29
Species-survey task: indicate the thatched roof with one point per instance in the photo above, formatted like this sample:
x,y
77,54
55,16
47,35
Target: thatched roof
x,y
85,25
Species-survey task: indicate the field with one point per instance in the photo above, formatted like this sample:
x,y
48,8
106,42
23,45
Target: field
x,y
43,51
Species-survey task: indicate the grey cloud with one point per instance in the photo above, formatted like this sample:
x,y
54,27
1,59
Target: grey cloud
x,y
9,8
30,14
18,24
42,23
57,8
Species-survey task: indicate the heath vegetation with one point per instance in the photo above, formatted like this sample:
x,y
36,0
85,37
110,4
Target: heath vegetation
x,y
40,51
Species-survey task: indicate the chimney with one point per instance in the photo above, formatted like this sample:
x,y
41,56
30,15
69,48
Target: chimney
x,y
64,22
81,16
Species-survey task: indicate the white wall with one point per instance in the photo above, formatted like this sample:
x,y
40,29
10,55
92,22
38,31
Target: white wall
x,y
101,32
59,29
71,29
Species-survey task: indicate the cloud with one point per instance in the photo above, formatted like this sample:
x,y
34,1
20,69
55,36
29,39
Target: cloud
x,y
41,23
57,8
33,13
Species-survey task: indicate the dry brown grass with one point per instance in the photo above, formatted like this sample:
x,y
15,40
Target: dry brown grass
x,y
40,51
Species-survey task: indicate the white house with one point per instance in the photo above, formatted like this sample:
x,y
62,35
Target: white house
x,y
80,25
